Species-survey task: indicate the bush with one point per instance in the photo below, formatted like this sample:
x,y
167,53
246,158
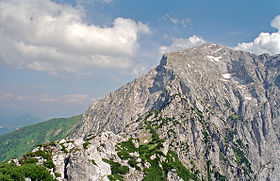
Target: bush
x,y
34,172
116,168
85,145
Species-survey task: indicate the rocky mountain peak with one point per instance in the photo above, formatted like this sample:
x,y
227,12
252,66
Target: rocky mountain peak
x,y
204,113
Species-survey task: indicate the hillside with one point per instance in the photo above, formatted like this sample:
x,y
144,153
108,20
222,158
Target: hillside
x,y
23,140
204,113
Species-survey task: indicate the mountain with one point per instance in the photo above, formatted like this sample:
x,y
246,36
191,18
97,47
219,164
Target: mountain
x,y
204,113
8,124
24,139
23,120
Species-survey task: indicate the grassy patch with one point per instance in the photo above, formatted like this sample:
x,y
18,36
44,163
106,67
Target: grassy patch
x,y
85,145
117,169
63,148
173,162
93,162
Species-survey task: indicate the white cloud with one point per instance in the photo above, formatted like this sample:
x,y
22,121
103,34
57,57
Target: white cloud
x,y
79,99
46,98
265,42
44,36
175,21
181,43
107,1
185,21
10,95
75,98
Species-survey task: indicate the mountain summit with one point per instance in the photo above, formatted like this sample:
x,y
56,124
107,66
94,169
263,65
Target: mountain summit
x,y
204,113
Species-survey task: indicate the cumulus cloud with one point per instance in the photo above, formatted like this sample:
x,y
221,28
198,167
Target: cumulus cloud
x,y
265,42
181,43
45,36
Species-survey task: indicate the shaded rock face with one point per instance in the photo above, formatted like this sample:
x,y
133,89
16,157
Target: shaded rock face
x,y
221,109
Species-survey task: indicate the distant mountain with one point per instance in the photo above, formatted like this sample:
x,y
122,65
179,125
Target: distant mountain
x,y
8,124
23,120
24,139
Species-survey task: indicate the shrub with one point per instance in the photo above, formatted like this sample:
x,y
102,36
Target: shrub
x,y
85,145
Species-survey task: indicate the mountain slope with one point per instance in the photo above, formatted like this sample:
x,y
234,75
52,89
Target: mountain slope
x,y
18,142
205,113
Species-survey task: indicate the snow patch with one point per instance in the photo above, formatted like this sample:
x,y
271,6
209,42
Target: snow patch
x,y
241,86
216,59
216,50
227,76
189,65
248,98
224,80
211,45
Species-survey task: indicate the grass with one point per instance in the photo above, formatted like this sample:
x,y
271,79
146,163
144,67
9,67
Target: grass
x,y
117,170
85,145
63,148
173,162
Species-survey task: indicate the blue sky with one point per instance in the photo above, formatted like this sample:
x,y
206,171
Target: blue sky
x,y
57,57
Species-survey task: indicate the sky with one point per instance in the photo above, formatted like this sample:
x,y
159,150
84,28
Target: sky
x,y
59,56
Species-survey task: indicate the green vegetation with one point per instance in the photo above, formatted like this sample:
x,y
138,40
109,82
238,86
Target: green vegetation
x,y
173,162
93,162
219,176
117,170
29,158
23,140
205,136
85,144
63,148
57,174
89,137
241,159
149,153
133,163
235,117
28,167
9,172
208,168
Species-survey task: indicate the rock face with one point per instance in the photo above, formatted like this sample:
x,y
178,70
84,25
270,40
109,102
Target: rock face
x,y
205,113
